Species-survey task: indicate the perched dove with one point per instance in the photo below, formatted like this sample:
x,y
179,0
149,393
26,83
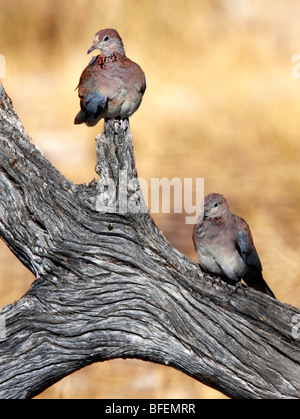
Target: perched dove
x,y
224,245
111,86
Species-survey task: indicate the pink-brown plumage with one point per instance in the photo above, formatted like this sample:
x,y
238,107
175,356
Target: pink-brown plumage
x,y
224,245
111,86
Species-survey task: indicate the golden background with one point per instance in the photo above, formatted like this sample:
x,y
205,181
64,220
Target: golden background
x,y
222,103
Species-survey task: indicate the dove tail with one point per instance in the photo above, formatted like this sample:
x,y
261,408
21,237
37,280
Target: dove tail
x,y
80,118
255,280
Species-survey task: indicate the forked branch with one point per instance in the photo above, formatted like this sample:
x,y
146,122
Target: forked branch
x,y
110,285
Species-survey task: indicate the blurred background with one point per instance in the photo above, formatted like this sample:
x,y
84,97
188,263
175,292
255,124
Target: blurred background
x,y
222,103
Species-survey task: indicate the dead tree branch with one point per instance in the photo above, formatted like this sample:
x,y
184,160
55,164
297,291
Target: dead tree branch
x,y
110,285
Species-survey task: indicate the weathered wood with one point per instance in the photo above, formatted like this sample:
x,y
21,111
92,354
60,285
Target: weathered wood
x,y
110,285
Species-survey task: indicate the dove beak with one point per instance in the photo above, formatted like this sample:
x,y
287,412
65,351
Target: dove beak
x,y
92,48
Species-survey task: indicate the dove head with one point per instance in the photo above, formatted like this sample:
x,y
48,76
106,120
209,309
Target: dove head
x,y
215,205
108,41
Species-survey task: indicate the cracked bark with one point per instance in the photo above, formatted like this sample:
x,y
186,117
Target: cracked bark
x,y
110,285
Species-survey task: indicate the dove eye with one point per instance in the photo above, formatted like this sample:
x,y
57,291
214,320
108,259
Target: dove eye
x,y
215,205
106,38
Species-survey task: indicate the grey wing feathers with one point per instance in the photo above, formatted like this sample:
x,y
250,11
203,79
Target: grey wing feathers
x,y
247,251
93,103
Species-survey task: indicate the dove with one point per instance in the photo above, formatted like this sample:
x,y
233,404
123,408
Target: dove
x,y
224,245
111,86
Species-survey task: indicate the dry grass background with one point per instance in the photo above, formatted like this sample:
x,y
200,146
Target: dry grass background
x,y
221,103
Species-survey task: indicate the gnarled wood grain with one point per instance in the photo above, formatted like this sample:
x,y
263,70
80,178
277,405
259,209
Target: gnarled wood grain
x,y
110,285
